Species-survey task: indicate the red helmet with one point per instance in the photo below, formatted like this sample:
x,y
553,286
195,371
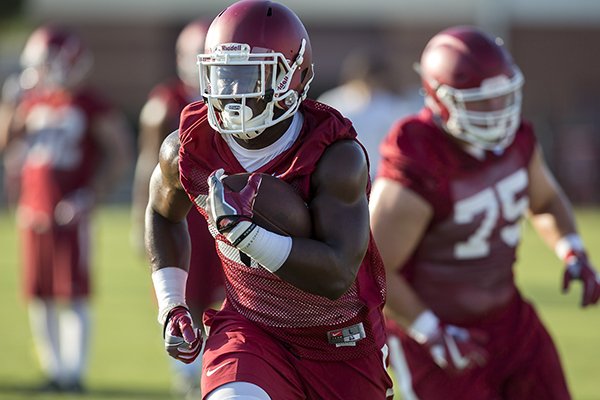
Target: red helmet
x,y
58,55
257,51
190,43
472,83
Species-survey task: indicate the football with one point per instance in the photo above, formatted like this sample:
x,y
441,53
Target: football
x,y
277,207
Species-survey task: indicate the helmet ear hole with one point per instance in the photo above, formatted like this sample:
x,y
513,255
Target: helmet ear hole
x,y
291,99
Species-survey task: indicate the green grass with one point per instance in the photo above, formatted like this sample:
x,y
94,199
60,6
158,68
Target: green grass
x,y
127,360
576,331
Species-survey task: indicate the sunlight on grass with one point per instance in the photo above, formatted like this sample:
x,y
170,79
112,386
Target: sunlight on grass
x,y
127,360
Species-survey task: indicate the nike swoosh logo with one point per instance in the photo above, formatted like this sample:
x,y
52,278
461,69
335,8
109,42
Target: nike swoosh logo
x,y
209,372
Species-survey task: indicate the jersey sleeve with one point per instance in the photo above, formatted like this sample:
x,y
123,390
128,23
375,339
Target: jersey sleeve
x,y
167,94
525,141
404,159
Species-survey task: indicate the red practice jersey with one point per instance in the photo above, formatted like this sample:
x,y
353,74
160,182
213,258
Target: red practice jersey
x,y
61,155
299,319
463,265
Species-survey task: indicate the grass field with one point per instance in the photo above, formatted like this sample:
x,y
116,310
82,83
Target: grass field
x,y
127,360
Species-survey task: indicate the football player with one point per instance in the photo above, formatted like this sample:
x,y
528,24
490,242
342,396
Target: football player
x,y
77,147
302,317
159,117
454,183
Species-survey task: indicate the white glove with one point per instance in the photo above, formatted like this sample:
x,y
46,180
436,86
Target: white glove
x,y
73,207
452,348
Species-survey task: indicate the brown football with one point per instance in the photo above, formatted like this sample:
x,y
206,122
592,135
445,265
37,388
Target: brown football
x,y
277,207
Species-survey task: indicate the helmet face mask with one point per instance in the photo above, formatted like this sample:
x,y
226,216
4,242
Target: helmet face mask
x,y
232,76
486,117
256,69
472,84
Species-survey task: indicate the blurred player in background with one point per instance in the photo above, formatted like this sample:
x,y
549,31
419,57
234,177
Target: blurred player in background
x,y
367,97
454,184
302,316
159,117
77,149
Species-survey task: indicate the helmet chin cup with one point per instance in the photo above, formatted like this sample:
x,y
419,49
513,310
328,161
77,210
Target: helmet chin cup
x,y
235,115
239,120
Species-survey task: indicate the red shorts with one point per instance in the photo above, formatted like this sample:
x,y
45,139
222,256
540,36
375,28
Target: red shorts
x,y
523,364
237,350
56,262
205,277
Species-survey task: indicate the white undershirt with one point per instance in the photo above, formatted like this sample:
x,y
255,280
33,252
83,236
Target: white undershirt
x,y
253,159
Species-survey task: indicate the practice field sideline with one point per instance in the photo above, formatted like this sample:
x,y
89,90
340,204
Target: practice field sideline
x,y
127,360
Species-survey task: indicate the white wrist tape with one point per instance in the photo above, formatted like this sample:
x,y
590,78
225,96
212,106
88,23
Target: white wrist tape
x,y
424,326
241,233
267,248
568,243
169,286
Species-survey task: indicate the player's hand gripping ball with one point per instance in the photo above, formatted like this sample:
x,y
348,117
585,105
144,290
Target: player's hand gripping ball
x,y
263,199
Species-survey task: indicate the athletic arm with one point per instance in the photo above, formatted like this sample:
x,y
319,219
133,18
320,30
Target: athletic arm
x,y
12,124
550,211
399,218
6,116
327,263
552,216
168,245
166,236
